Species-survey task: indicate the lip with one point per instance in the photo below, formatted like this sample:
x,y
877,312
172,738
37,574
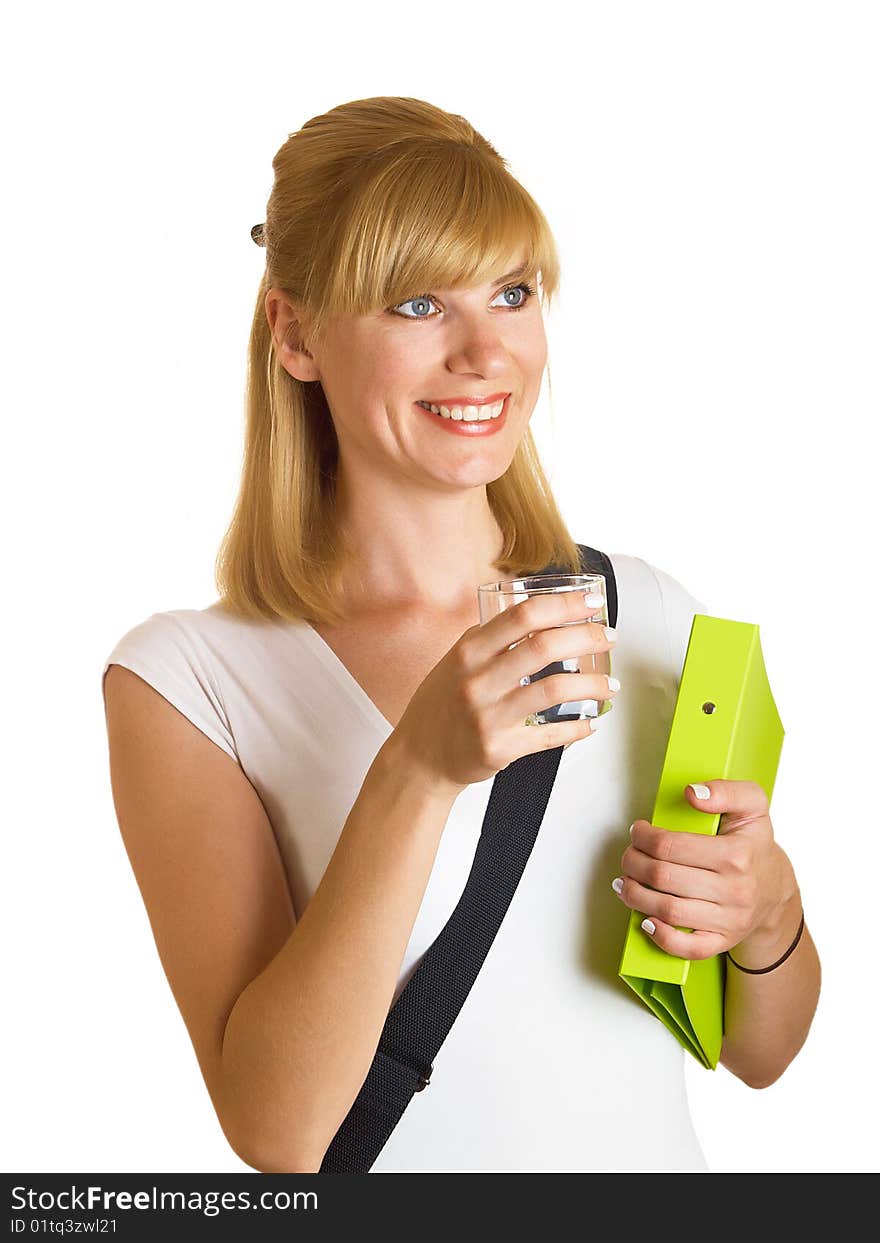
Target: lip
x,y
459,427
449,402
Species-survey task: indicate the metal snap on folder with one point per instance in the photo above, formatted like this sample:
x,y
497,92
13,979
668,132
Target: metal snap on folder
x,y
725,725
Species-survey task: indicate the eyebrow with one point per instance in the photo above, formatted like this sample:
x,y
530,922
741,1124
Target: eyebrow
x,y
523,267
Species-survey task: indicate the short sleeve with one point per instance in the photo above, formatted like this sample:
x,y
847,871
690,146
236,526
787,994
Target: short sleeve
x,y
679,607
166,651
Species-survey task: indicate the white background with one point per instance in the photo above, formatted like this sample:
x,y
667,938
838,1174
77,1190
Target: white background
x,y
710,172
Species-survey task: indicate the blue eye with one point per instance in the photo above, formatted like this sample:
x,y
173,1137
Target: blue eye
x,y
425,298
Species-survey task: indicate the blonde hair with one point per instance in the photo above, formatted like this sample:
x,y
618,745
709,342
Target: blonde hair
x,y
372,201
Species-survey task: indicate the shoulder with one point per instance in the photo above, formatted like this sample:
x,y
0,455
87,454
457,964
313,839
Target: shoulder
x,y
174,627
648,590
174,651
201,637
648,581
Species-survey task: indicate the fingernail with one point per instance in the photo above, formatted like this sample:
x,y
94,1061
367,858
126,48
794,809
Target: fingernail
x,y
617,884
648,925
592,599
611,634
701,791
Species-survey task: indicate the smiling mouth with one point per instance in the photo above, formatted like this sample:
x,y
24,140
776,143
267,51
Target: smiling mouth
x,y
466,414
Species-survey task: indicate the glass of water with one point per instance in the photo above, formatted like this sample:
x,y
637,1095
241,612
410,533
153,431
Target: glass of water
x,y
494,597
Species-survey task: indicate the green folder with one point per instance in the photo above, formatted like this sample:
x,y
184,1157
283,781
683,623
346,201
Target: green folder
x,y
725,725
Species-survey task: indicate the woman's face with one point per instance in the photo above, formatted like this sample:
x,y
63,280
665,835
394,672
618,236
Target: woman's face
x,y
443,347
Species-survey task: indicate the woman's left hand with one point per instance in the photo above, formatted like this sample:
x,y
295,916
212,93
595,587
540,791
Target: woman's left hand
x,y
729,887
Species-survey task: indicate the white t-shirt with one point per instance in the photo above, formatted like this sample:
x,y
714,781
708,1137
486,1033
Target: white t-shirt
x,y
553,1063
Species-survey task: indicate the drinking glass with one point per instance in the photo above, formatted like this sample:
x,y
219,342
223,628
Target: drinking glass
x,y
495,597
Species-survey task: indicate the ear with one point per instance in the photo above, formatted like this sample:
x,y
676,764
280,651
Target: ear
x,y
285,327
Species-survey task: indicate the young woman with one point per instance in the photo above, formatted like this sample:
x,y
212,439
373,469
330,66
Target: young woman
x,y
300,771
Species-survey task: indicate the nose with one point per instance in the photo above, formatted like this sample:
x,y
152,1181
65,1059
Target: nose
x,y
478,349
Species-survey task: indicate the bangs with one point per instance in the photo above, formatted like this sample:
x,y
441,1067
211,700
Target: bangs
x,y
424,216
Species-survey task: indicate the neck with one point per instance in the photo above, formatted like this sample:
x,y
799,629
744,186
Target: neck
x,y
427,557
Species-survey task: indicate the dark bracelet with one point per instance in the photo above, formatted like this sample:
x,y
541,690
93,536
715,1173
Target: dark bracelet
x,y
778,963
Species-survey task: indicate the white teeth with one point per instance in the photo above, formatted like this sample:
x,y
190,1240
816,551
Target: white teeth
x,y
470,414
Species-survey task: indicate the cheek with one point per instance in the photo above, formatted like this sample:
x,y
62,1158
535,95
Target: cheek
x,y
534,350
385,374
533,366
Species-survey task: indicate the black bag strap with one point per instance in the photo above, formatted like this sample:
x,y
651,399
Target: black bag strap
x,y
423,1014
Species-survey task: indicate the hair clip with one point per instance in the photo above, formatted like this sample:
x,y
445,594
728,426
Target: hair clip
x,y
258,234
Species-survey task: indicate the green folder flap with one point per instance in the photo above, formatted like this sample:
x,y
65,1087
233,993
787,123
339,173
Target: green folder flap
x,y
725,725
648,990
671,998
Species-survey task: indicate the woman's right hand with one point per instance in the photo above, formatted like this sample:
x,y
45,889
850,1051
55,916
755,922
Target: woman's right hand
x,y
466,721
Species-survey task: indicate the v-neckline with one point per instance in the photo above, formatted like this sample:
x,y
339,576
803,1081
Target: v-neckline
x,y
349,683
347,680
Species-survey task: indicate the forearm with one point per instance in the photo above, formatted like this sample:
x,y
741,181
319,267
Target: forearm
x,y
767,1017
301,1037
